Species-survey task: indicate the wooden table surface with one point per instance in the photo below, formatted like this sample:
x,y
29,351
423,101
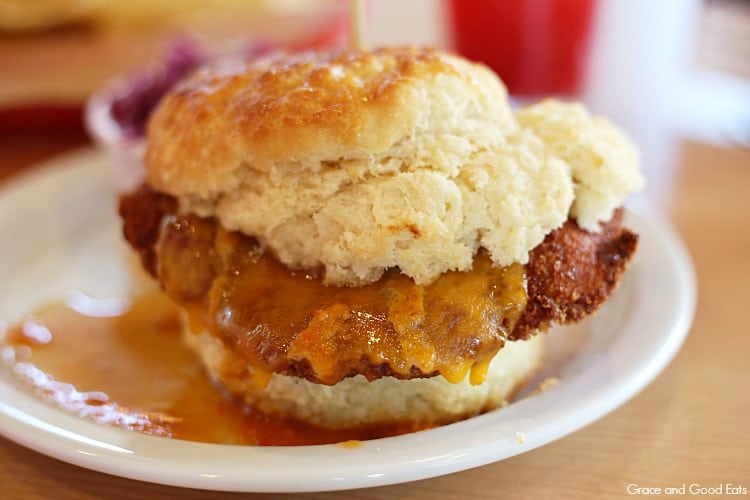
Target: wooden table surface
x,y
687,427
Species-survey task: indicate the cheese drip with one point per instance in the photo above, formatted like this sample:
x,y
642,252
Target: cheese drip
x,y
287,321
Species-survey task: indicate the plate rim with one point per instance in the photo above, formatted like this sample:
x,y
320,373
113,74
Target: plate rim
x,y
36,425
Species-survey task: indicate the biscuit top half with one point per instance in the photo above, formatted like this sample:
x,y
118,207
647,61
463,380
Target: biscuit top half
x,y
355,162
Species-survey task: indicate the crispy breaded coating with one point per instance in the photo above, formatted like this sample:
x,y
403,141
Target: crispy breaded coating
x,y
573,272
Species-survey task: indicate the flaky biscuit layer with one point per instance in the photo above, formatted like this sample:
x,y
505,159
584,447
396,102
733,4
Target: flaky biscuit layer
x,y
399,157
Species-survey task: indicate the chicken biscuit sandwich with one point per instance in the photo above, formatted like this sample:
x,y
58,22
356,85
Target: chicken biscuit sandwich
x,y
369,237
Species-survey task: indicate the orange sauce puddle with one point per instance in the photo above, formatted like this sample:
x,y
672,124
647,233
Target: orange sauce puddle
x,y
122,363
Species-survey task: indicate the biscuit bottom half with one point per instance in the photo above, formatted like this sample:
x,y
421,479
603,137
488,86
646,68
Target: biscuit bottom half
x,y
355,401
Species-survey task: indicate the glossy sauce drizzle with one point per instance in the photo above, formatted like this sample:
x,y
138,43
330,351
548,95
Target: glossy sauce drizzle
x,y
122,362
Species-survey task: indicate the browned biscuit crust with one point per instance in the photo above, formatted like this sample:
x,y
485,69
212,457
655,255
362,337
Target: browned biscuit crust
x,y
293,107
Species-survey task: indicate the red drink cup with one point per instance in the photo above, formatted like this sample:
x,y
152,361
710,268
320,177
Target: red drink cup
x,y
537,47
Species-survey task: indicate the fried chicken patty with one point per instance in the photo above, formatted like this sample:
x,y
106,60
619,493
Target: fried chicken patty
x,y
286,321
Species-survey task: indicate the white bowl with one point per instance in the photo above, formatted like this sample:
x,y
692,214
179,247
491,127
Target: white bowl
x,y
125,152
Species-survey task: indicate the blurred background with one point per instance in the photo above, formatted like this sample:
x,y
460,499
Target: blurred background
x,y
666,71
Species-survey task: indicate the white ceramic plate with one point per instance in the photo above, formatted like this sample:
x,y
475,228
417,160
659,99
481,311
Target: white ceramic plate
x,y
59,231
